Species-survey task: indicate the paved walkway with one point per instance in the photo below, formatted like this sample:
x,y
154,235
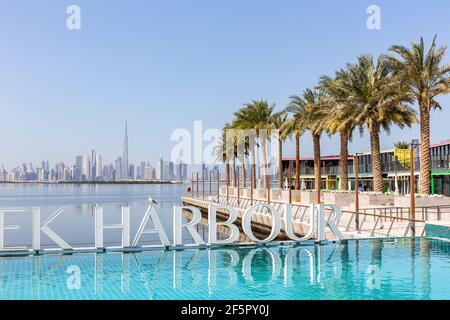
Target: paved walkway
x,y
372,224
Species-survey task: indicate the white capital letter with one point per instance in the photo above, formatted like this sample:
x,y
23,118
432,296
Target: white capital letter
x,y
212,224
8,227
288,223
178,225
247,222
37,228
335,215
124,225
159,229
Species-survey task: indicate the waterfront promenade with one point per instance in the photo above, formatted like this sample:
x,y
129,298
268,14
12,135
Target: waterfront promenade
x,y
370,221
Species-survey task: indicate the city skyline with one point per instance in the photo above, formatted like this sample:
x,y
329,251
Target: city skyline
x,y
66,91
89,167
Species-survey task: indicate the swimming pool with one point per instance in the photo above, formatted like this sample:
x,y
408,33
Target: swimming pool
x,y
366,269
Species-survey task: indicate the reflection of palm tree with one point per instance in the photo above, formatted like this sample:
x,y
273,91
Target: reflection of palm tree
x,y
377,252
425,268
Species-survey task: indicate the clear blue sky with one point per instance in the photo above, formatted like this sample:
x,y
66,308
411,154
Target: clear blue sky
x,y
164,64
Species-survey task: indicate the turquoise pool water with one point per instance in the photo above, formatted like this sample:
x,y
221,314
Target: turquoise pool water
x,y
400,269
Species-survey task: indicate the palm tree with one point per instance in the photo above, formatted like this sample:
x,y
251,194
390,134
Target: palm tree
x,y
427,78
381,101
341,118
278,121
222,153
294,127
257,116
402,145
314,112
241,147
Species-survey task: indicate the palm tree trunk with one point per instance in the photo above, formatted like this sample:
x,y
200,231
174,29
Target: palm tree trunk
x,y
244,178
376,158
253,167
234,171
227,174
297,161
317,167
264,163
424,180
242,160
343,164
280,163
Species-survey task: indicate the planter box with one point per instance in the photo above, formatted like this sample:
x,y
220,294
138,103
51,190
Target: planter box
x,y
372,200
339,198
308,197
285,196
404,201
296,196
276,195
261,194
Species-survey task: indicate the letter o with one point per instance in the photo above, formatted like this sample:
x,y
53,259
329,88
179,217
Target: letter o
x,y
247,223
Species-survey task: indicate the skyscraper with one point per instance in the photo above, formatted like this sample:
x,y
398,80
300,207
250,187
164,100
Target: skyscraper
x,y
148,172
118,167
86,171
125,165
79,164
160,169
98,167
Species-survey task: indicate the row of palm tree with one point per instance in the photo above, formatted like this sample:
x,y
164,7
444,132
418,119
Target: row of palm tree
x,y
371,94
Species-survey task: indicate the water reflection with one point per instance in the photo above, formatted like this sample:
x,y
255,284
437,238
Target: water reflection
x,y
76,223
302,272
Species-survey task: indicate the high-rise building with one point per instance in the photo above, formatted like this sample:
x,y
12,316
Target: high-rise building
x,y
142,169
60,171
98,167
131,171
125,165
148,172
160,169
86,170
108,172
180,171
170,171
79,165
118,168
93,167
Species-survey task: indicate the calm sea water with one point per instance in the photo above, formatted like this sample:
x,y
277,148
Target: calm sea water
x,y
76,223
403,269
396,269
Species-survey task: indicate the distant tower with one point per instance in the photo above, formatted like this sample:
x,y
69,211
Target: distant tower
x,y
160,168
125,165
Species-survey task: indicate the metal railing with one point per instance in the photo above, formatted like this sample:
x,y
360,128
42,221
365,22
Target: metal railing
x,y
382,222
428,213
